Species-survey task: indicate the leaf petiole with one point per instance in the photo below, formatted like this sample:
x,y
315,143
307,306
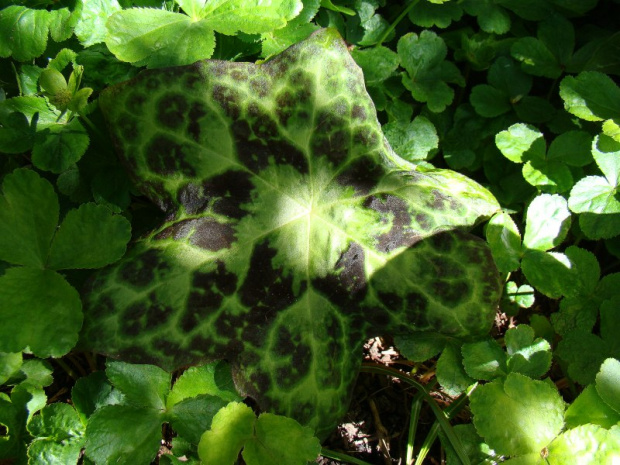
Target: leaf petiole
x,y
442,416
400,17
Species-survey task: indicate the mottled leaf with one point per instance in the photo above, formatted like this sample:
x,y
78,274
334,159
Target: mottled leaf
x,y
293,230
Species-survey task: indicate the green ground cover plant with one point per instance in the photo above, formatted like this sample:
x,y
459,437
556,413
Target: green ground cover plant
x,y
207,207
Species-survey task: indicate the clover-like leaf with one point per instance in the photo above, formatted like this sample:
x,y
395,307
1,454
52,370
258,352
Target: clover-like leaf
x,y
293,231
265,440
428,72
58,435
550,53
155,37
526,355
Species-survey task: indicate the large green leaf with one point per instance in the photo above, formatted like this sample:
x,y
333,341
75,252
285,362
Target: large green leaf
x,y
293,233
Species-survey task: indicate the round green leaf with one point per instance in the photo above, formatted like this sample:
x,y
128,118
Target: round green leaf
x,y
23,32
43,451
377,63
28,218
142,385
191,417
230,429
57,421
548,175
9,364
450,372
551,273
547,222
484,359
600,226
123,434
90,28
526,355
520,143
489,101
39,310
16,134
59,146
89,237
93,392
608,383
505,241
606,152
591,95
214,379
156,38
531,414
594,194
413,141
573,148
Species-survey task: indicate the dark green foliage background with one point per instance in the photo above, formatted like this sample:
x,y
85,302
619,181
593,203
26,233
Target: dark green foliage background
x,y
521,96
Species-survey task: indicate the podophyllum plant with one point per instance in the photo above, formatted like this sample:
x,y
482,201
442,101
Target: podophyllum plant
x,y
293,232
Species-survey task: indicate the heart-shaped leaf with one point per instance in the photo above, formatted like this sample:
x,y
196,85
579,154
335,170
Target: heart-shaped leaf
x,y
294,231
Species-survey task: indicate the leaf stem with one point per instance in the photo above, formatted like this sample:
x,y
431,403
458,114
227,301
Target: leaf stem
x,y
65,366
342,457
450,412
416,406
442,419
400,17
